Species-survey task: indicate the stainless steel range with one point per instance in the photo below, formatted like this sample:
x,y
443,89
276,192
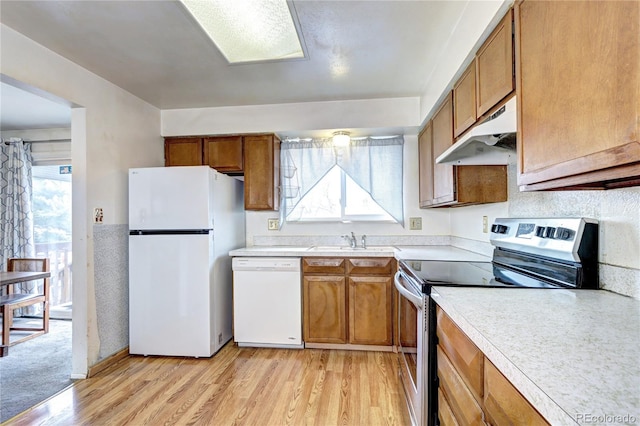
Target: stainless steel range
x,y
528,253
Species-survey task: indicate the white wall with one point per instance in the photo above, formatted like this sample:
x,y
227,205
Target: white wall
x,y
435,222
112,130
288,119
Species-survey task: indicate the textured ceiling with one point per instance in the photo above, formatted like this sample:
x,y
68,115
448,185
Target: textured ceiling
x,y
153,49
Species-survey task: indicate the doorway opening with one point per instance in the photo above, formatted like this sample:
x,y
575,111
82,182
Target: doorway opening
x,y
52,232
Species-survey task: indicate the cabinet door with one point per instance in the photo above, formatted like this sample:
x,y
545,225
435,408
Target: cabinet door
x,y
503,404
481,184
370,310
183,151
464,101
224,153
425,167
494,66
325,317
261,172
578,88
443,176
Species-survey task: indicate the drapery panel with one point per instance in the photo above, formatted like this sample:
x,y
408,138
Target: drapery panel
x,y
374,164
16,216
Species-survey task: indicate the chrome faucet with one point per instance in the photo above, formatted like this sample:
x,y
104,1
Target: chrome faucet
x,y
351,239
363,240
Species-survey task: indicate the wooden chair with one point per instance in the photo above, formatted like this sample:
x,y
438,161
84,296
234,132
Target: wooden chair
x,y
14,300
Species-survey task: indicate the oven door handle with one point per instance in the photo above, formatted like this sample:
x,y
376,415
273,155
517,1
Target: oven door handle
x,y
413,298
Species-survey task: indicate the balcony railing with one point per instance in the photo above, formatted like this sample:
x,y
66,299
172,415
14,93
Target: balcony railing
x,y
61,281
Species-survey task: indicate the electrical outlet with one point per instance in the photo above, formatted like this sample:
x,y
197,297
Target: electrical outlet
x,y
97,215
272,224
485,224
415,223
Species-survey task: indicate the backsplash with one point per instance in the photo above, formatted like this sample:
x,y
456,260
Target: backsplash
x,y
337,240
618,213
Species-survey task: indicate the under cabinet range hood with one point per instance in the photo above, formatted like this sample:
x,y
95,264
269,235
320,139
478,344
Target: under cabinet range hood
x,y
491,142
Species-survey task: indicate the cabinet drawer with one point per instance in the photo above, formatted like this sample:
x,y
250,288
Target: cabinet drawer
x,y
324,265
503,403
371,266
463,404
445,414
464,355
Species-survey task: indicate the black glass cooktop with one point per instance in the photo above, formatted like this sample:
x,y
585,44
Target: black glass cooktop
x,y
470,274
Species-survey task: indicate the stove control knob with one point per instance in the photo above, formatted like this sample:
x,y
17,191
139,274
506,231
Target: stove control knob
x,y
564,234
499,229
540,231
549,232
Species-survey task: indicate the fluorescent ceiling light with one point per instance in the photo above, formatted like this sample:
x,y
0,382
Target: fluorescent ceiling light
x,y
249,30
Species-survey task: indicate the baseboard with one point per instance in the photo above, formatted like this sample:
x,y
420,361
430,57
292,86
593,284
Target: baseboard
x,y
348,347
107,362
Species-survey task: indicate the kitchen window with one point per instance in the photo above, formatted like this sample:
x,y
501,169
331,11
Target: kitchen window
x,y
359,182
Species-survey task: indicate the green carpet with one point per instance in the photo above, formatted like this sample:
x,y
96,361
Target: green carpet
x,y
35,370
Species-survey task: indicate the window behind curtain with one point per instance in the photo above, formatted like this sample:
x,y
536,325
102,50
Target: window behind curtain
x,y
360,182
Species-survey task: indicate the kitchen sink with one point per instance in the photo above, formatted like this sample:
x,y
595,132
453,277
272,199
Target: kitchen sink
x,y
357,249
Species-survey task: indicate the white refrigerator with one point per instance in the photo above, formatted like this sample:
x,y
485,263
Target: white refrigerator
x,y
183,221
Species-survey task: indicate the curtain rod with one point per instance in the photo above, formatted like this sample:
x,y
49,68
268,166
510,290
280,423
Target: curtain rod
x,y
8,142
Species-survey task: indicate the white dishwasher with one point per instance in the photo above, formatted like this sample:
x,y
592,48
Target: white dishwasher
x,y
267,302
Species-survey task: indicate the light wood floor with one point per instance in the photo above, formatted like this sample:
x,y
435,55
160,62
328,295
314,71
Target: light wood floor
x,y
237,386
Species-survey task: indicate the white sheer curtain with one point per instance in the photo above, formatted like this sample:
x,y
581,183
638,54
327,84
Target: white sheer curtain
x,y
374,164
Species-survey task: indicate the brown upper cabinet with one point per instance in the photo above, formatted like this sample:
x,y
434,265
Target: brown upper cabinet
x,y
261,172
443,174
257,157
578,89
185,151
450,185
425,158
487,80
224,153
495,77
464,101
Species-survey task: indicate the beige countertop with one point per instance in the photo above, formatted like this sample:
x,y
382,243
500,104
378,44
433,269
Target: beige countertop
x,y
574,354
436,252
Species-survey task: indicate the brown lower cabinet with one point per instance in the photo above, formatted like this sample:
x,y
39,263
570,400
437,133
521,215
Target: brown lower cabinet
x,y
471,389
348,301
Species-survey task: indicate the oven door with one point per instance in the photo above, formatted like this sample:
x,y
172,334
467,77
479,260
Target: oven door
x,y
412,348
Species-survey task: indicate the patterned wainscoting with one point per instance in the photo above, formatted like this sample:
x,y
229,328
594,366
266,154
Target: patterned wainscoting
x,y
111,271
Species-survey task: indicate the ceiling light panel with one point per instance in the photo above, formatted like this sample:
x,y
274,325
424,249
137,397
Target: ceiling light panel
x,y
249,30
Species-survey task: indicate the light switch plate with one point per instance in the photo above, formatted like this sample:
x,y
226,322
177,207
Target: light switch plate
x,y
272,224
415,223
